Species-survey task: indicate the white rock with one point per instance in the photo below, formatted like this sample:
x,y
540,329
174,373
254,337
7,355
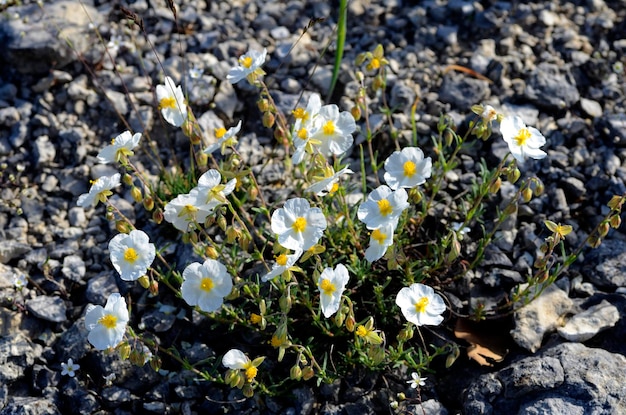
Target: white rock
x,y
590,322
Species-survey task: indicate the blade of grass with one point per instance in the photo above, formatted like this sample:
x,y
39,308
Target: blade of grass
x,y
341,40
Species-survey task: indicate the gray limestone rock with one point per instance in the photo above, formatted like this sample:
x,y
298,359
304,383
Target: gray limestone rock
x,y
552,88
48,308
585,325
606,265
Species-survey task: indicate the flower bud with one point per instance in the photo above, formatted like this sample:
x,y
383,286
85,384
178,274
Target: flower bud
x,y
232,234
122,226
616,202
527,194
221,222
350,323
211,252
495,186
263,104
615,221
136,358
202,159
155,363
148,203
268,119
135,193
154,288
513,175
406,333
123,350
401,396
157,216
127,179
539,188
307,372
448,137
356,112
295,373
281,136
110,216
511,208
603,229
247,390
144,281
285,303
253,193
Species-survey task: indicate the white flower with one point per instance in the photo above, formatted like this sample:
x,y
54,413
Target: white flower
x,y
416,380
304,127
172,102
329,183
195,72
100,190
331,284
282,264
205,285
523,141
211,192
131,254
19,280
120,147
298,226
380,240
69,368
421,305
185,210
224,138
235,359
460,231
249,64
333,130
107,325
383,207
407,168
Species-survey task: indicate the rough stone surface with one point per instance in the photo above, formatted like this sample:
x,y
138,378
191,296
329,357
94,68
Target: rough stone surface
x,y
585,325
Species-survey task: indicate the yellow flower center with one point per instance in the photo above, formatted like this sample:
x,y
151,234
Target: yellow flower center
x,y
130,255
251,372
378,236
421,305
384,207
522,136
281,260
361,331
276,341
327,286
299,225
219,132
334,188
302,134
300,114
246,62
188,210
375,63
409,168
206,284
108,320
167,102
255,318
329,127
113,141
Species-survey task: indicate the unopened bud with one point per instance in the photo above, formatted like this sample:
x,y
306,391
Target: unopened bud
x,y
406,333
539,188
253,193
514,175
202,159
511,209
295,373
122,226
495,186
124,350
378,83
356,112
155,363
148,203
285,303
221,222
615,221
247,390
135,193
157,216
527,194
307,372
448,137
232,234
603,229
127,179
110,216
350,323
211,252
281,136
268,119
144,281
154,288
263,104
136,358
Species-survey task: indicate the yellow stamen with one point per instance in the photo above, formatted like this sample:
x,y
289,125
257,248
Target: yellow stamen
x,y
374,64
130,255
246,62
299,225
334,188
108,320
167,102
300,114
522,136
327,286
384,207
219,132
421,305
188,210
276,341
206,284
329,127
409,168
361,331
251,372
255,318
302,134
378,236
281,260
